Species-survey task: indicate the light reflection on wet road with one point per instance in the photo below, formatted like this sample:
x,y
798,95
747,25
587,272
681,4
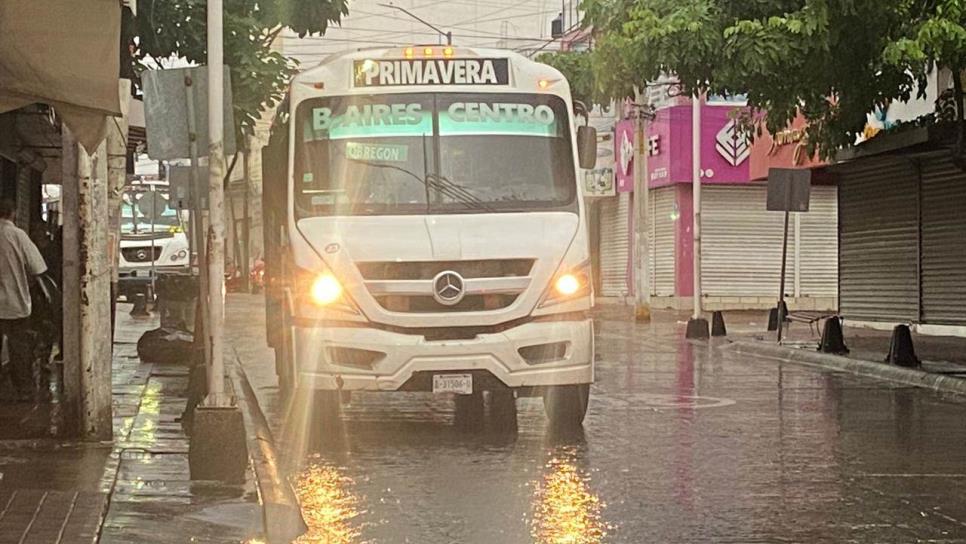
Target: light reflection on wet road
x,y
683,443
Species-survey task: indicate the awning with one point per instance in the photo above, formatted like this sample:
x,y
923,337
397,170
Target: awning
x,y
60,53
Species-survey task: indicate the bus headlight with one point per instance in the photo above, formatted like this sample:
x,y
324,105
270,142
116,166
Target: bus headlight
x,y
325,289
569,285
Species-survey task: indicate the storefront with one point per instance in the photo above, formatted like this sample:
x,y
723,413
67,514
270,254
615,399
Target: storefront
x,y
607,190
741,242
902,256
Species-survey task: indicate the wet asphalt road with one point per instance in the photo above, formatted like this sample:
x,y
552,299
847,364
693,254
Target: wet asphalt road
x,y
683,443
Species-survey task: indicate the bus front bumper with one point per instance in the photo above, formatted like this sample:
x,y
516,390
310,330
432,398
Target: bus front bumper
x,y
534,354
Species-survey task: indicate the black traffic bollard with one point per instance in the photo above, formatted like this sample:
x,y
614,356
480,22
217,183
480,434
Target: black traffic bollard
x,y
697,329
718,324
833,340
781,309
901,350
140,308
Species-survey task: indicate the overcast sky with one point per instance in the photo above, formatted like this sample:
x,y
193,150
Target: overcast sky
x,y
511,24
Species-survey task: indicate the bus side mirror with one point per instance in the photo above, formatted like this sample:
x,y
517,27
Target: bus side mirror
x,y
587,147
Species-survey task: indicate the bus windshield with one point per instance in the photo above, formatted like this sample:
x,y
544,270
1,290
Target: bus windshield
x,y
430,153
135,221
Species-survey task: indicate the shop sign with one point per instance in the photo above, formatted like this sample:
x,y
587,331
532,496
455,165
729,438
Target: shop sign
x,y
625,156
733,144
796,137
599,182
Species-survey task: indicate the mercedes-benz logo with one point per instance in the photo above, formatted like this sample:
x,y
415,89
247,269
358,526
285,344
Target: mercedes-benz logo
x,y
142,255
448,288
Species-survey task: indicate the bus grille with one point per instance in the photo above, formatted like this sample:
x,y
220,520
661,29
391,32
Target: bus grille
x,y
140,254
408,287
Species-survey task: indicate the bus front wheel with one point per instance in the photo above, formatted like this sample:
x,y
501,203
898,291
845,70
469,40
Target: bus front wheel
x,y
566,405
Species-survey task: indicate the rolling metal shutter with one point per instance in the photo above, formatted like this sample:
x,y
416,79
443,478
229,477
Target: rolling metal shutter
x,y
879,241
943,242
662,224
818,244
741,247
614,245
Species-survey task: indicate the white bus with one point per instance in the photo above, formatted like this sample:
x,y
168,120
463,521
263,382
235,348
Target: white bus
x,y
424,231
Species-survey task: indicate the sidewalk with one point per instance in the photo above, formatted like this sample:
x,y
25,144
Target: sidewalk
x,y
943,358
134,490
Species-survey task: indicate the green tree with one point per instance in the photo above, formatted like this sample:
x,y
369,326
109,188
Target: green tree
x,y
169,29
832,60
578,69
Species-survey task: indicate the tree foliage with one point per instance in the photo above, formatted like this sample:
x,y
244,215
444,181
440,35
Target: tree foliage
x,y
170,29
578,69
832,60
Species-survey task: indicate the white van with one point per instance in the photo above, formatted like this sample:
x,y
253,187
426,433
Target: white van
x,y
424,231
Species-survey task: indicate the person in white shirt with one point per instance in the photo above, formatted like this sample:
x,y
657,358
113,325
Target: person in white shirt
x,y
19,261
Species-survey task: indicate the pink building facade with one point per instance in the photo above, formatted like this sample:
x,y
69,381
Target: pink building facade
x,y
741,241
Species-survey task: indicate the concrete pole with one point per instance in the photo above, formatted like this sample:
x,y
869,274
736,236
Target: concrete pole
x,y
696,192
642,309
216,204
116,180
87,291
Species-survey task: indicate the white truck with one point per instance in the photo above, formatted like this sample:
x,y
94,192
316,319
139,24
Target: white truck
x,y
424,231
153,239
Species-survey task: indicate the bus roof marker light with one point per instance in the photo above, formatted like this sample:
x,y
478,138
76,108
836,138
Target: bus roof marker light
x,y
428,52
409,53
543,83
448,52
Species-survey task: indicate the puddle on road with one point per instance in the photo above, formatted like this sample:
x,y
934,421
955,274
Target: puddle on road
x,y
329,506
565,509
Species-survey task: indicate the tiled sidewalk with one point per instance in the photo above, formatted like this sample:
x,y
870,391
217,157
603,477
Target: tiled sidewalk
x,y
137,489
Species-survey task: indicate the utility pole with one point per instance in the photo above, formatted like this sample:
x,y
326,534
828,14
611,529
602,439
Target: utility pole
x,y
216,205
218,448
697,325
642,306
446,34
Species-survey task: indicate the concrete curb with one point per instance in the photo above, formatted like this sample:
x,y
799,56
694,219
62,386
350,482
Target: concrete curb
x,y
281,513
870,369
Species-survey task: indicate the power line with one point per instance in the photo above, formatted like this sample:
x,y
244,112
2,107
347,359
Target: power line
x,y
459,25
423,33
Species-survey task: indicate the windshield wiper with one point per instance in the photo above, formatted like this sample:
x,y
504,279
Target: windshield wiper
x,y
434,181
456,191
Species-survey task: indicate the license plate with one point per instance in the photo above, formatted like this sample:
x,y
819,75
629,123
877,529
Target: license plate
x,y
461,384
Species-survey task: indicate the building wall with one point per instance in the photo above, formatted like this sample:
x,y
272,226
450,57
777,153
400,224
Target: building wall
x,y
726,168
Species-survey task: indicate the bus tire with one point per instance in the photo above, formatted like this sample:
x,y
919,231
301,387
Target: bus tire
x,y
503,410
566,405
325,419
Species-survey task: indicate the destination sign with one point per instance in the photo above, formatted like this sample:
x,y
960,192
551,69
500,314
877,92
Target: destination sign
x,y
391,73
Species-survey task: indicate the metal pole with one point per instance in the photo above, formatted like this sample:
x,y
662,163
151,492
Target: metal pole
x,y
781,289
154,269
696,199
216,203
246,226
447,35
196,224
798,255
